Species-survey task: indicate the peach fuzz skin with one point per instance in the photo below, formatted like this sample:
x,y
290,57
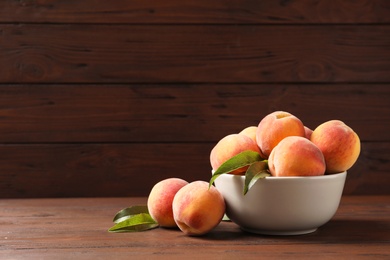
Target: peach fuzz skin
x,y
275,127
197,209
160,201
250,131
339,144
230,146
296,156
308,132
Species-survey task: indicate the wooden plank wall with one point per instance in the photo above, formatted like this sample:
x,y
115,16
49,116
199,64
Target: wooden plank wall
x,y
105,98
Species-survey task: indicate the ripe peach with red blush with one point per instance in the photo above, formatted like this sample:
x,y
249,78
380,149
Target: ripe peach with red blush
x,y
230,146
197,209
160,200
274,127
296,156
308,132
250,131
339,144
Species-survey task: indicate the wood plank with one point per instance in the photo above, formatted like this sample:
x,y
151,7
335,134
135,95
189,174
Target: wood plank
x,y
76,229
181,113
101,170
195,12
207,53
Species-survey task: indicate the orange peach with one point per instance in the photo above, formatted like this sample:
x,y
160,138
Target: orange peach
x,y
308,132
160,200
230,146
197,209
250,131
275,127
339,144
296,156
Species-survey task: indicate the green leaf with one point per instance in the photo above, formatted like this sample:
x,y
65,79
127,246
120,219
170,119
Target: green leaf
x,y
236,162
133,219
130,211
135,223
256,170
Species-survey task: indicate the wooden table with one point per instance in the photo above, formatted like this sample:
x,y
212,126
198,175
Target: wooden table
x,y
76,228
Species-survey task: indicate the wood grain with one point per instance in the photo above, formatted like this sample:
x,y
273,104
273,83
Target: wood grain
x,y
97,97
107,170
180,113
207,53
77,229
196,12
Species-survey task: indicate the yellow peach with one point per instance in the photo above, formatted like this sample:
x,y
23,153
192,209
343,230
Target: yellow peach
x,y
275,127
197,209
160,200
308,132
230,146
296,156
339,144
250,131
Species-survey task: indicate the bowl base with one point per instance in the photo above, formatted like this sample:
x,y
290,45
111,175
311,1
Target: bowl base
x,y
279,233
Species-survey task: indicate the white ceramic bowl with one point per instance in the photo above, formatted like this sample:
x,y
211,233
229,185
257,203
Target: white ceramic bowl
x,y
282,205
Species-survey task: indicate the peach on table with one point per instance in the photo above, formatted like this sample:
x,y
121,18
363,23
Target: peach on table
x,y
197,209
160,200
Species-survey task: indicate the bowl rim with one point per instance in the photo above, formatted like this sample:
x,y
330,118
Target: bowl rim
x,y
325,176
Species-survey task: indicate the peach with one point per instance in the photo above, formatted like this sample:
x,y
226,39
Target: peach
x,y
339,144
160,200
275,127
230,146
296,156
250,131
308,132
197,209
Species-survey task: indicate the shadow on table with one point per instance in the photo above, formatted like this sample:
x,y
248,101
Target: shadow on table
x,y
335,231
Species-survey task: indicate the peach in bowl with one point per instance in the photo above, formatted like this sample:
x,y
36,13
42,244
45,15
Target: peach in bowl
x,y
290,205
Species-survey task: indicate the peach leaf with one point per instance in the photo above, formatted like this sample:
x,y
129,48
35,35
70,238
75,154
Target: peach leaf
x,y
236,162
256,171
135,223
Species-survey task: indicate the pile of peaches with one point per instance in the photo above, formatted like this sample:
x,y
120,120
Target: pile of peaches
x,y
281,141
291,148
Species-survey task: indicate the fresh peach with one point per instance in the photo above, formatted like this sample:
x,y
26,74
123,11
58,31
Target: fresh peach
x,y
308,132
250,131
230,146
339,144
197,209
296,156
275,127
160,200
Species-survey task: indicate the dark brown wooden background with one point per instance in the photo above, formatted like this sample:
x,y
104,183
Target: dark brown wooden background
x,y
105,98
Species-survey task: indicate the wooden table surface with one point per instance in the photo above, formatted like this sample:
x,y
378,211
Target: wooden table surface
x,y
76,228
